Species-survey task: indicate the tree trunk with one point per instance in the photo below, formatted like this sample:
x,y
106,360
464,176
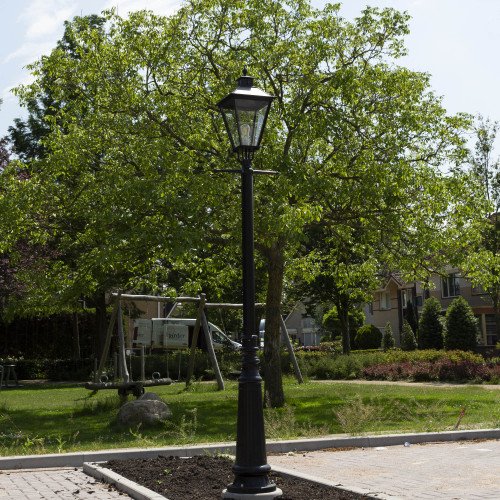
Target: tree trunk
x,y
274,396
76,336
100,322
343,313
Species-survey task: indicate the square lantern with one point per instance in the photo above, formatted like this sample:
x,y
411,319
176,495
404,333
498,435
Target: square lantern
x,y
245,113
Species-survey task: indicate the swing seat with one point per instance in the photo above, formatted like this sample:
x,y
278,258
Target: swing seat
x,y
125,388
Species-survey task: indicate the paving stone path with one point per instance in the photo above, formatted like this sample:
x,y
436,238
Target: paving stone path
x,y
456,470
68,483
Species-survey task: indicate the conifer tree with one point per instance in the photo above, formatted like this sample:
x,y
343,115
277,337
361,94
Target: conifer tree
x,y
430,328
388,337
461,326
408,341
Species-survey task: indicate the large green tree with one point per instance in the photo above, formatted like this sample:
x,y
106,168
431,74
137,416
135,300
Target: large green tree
x,y
481,263
126,184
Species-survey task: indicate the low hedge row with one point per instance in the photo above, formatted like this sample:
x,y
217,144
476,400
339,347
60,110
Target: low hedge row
x,y
52,369
424,365
442,370
171,365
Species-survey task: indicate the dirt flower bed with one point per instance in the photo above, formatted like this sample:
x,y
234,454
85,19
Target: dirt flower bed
x,y
204,478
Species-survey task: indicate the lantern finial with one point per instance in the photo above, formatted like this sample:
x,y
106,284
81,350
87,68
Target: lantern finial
x,y
245,81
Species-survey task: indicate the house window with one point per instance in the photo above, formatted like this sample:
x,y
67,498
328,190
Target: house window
x,y
308,322
385,300
451,288
406,296
491,330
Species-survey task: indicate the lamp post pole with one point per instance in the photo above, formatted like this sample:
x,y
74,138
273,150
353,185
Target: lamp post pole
x,y
251,471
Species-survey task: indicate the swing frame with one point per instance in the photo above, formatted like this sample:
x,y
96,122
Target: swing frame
x,y
128,386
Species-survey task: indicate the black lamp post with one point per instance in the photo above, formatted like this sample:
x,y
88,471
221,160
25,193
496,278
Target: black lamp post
x,y
245,113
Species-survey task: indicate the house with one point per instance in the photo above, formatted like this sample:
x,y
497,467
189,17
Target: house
x,y
302,327
390,301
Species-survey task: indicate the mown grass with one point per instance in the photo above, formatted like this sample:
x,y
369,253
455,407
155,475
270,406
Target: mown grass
x,y
65,419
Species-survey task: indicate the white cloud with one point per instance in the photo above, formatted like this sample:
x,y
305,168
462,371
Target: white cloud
x,y
29,52
41,22
44,18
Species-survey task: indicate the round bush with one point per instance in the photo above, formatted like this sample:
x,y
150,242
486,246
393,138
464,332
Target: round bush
x,y
368,337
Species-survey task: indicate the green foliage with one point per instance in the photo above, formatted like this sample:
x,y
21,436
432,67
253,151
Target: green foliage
x,y
461,326
368,337
411,317
397,355
332,324
481,262
430,327
122,190
388,341
408,341
51,369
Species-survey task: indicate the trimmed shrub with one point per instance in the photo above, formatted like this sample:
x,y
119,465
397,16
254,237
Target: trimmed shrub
x,y
430,326
408,341
461,326
368,337
388,337
443,370
411,316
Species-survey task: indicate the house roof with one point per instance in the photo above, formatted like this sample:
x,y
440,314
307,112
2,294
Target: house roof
x,y
395,277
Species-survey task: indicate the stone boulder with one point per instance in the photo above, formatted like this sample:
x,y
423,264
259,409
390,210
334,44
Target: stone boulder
x,y
147,410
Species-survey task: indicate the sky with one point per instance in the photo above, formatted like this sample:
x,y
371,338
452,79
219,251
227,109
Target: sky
x,y
456,41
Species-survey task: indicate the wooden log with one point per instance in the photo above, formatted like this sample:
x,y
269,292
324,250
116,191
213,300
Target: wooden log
x,y
230,306
107,343
210,349
139,298
121,346
97,386
289,346
194,342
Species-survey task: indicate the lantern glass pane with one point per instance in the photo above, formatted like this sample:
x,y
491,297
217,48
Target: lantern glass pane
x,y
229,115
251,114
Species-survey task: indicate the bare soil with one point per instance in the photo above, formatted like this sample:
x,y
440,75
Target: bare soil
x,y
204,478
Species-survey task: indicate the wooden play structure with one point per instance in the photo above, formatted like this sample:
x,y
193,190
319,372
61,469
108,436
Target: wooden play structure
x,y
126,385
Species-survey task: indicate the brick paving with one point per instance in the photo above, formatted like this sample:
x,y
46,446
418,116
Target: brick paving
x,y
66,483
456,470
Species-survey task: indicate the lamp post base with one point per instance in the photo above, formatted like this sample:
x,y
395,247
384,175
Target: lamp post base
x,y
227,495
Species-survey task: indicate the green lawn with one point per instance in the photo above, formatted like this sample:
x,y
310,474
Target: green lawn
x,y
62,419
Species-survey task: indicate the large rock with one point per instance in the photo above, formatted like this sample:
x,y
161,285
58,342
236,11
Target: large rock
x,y
148,410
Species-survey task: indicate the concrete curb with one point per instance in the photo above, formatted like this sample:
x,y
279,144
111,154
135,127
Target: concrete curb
x,y
308,477
342,441
121,483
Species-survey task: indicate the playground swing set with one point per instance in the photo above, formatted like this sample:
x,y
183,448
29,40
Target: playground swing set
x,y
125,385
